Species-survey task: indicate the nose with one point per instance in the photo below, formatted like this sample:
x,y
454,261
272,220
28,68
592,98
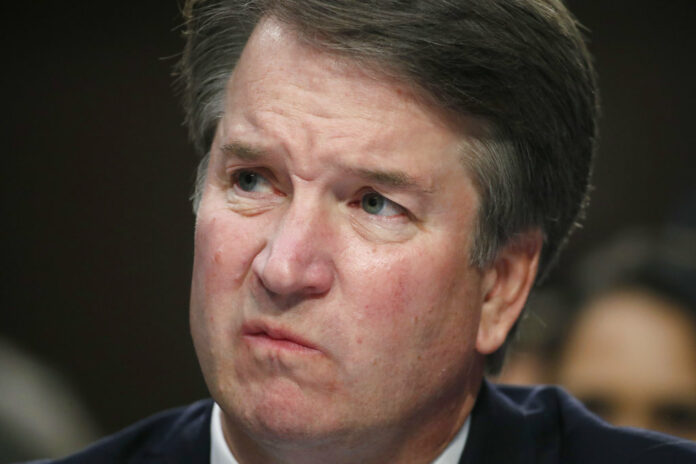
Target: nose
x,y
296,260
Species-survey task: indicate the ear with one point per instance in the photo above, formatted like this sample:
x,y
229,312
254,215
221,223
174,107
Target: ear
x,y
506,284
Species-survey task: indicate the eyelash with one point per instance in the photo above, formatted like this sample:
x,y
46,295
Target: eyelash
x,y
358,203
236,175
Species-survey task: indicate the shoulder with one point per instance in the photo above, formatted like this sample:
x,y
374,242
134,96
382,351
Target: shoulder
x,y
558,428
182,432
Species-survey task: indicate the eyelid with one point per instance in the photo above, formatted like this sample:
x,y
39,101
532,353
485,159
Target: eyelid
x,y
265,174
237,168
394,205
404,212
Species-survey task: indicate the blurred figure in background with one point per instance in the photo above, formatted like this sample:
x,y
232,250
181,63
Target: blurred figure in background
x,y
40,415
631,353
628,350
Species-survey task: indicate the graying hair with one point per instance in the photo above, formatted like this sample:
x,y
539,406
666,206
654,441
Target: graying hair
x,y
519,66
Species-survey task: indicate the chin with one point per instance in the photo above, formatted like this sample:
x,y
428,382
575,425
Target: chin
x,y
282,414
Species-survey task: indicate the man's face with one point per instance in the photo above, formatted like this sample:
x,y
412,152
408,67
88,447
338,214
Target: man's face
x,y
631,357
332,293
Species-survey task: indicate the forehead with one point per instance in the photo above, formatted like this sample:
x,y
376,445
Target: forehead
x,y
275,53
280,78
317,111
631,337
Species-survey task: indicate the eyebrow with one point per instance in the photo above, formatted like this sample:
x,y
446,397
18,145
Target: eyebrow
x,y
243,151
392,179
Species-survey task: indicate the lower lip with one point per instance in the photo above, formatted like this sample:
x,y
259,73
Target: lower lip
x,y
278,343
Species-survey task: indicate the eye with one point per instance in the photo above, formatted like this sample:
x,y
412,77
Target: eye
x,y
677,415
374,203
251,181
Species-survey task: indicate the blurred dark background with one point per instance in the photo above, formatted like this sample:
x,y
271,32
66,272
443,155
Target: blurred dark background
x,y
97,228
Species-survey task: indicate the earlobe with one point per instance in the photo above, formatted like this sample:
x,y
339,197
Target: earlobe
x,y
505,286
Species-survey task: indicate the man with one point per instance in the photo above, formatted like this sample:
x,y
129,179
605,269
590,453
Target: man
x,y
382,182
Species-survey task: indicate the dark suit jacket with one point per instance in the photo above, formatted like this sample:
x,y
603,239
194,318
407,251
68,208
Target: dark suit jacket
x,y
510,425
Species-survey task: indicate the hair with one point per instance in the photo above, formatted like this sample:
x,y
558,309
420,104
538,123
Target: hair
x,y
660,261
520,67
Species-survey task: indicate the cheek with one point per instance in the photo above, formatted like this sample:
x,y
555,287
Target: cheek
x,y
224,249
223,252
414,297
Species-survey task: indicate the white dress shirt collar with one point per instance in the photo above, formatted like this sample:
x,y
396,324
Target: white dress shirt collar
x,y
221,454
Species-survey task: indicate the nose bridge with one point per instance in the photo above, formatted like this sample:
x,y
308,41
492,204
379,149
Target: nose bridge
x,y
297,257
301,228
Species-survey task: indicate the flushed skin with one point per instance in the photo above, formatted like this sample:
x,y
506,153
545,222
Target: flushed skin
x,y
331,323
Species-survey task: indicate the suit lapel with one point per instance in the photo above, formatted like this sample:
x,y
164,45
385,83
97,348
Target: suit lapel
x,y
189,440
498,432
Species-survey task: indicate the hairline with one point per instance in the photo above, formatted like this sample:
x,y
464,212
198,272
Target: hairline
x,y
478,141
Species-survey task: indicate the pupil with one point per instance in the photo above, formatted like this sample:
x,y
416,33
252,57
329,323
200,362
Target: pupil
x,y
247,181
373,203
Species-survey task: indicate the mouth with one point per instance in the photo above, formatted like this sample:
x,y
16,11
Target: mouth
x,y
260,334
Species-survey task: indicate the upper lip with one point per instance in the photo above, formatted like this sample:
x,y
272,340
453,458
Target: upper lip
x,y
275,332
